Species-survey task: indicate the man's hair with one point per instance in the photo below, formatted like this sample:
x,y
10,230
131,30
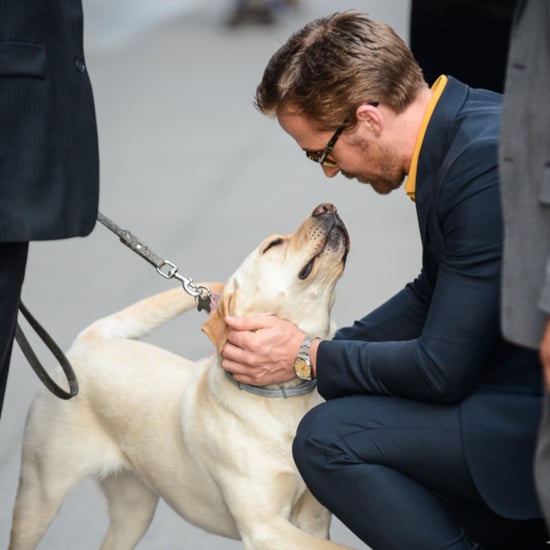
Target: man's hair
x,y
334,64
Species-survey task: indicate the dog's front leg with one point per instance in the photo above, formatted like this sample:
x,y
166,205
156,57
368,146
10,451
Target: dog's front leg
x,y
310,516
280,534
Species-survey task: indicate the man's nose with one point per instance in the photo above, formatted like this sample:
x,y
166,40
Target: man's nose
x,y
330,172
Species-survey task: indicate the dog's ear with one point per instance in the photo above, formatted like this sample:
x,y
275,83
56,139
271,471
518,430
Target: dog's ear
x,y
215,328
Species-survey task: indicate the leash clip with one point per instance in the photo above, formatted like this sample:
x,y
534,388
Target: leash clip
x,y
202,294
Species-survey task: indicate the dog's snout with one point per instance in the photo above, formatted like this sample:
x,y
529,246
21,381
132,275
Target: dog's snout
x,y
324,208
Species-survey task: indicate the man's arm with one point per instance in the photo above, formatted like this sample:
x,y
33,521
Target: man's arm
x,y
461,329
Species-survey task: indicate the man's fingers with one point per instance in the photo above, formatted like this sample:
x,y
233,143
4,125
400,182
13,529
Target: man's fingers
x,y
248,322
240,372
233,352
238,339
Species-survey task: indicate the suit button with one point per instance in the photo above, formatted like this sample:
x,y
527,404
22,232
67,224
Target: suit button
x,y
79,64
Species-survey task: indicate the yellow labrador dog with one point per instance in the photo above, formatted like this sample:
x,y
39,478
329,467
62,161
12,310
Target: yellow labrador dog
x,y
149,424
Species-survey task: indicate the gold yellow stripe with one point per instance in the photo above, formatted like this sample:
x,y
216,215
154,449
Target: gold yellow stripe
x,y
437,88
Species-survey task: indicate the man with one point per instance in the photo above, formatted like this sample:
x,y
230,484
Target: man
x,y
48,142
525,175
426,437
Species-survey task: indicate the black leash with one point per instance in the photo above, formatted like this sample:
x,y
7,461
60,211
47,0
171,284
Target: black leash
x,y
168,270
56,352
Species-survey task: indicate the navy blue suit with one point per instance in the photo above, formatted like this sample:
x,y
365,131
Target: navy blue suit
x,y
435,348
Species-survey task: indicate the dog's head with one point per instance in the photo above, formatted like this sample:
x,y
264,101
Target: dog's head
x,y
293,276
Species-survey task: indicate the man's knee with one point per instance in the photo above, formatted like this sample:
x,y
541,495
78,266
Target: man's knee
x,y
312,445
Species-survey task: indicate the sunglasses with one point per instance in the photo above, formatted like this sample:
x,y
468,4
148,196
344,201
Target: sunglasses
x,y
321,156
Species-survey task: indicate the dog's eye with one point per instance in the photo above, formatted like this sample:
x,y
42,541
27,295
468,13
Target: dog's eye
x,y
304,274
276,242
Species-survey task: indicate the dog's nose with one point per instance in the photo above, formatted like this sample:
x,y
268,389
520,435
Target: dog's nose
x,y
325,208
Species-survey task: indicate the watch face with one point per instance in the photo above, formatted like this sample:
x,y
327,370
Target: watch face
x,y
303,370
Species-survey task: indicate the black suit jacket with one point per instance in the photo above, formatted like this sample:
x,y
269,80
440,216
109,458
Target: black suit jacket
x,y
49,167
438,340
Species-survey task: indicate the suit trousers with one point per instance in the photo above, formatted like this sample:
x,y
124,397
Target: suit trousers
x,y
395,473
13,261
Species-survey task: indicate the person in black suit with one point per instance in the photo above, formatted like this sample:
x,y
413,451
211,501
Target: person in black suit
x,y
464,38
427,434
49,165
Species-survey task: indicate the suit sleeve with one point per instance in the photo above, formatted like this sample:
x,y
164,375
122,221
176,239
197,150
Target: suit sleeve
x,y
428,343
400,318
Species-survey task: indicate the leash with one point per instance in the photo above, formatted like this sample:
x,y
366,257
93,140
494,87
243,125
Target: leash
x,y
56,352
167,269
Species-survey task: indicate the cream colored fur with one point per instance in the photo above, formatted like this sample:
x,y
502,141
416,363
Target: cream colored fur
x,y
148,424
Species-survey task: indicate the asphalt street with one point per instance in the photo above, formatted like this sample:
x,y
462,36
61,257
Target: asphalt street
x,y
190,167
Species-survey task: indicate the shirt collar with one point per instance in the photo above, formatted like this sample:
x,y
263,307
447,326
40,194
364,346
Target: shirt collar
x,y
437,88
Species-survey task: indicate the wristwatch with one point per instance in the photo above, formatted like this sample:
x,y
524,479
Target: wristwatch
x,y
302,363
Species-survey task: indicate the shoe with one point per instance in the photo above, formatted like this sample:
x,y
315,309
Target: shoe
x,y
255,15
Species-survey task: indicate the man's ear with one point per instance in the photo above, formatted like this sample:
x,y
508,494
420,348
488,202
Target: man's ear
x,y
370,117
215,327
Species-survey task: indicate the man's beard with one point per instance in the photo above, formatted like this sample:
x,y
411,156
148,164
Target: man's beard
x,y
391,175
382,185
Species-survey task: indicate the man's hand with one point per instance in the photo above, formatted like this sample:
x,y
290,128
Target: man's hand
x,y
544,352
261,349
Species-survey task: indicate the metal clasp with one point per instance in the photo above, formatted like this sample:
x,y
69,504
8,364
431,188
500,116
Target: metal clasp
x,y
201,293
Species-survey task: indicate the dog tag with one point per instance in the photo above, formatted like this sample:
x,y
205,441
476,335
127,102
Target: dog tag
x,y
203,302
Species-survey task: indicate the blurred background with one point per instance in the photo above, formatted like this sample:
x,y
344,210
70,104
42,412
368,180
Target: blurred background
x,y
190,167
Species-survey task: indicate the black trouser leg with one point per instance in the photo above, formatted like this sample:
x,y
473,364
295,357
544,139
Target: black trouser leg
x,y
13,260
394,471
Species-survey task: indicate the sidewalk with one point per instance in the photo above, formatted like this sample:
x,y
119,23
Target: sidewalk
x,y
191,168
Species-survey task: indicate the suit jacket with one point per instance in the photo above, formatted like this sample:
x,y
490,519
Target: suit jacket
x,y
525,175
467,38
48,139
438,340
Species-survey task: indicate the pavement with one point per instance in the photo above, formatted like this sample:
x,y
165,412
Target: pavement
x,y
190,167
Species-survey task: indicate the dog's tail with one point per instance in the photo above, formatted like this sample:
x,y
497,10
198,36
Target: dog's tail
x,y
141,318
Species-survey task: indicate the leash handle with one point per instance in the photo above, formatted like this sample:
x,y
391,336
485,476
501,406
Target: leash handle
x,y
56,351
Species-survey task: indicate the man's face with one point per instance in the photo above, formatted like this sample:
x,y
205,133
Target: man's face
x,y
358,153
